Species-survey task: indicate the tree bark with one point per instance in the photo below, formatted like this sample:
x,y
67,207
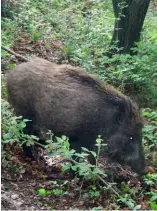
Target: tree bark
x,y
130,15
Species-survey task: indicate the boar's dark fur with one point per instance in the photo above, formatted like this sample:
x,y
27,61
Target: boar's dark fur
x,y
67,101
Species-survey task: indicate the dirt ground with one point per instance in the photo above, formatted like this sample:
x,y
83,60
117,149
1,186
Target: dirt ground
x,y
24,178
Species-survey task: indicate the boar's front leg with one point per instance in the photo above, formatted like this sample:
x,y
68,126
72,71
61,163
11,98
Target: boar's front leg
x,y
30,130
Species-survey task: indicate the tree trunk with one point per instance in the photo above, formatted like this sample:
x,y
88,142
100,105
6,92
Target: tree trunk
x,y
130,15
5,10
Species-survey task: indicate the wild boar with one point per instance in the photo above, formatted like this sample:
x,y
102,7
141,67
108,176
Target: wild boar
x,y
68,101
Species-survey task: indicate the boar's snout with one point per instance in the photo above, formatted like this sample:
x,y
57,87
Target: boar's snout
x,y
137,164
139,167
127,152
145,171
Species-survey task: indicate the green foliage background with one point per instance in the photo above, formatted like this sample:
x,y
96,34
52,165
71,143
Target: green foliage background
x,y
86,32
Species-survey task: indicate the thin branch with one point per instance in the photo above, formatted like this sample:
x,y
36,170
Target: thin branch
x,y
15,54
80,192
106,183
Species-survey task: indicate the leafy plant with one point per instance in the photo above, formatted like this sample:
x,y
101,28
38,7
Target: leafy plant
x,y
151,179
77,161
153,201
58,189
12,130
150,135
94,192
127,200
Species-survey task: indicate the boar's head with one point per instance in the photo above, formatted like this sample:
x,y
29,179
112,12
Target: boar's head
x,y
125,142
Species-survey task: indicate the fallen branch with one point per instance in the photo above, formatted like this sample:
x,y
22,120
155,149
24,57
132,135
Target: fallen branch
x,y
111,188
80,192
15,54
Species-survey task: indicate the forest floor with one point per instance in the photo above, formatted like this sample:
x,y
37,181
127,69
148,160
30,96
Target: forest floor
x,y
25,181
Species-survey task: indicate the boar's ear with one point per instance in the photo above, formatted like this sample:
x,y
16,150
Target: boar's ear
x,y
125,110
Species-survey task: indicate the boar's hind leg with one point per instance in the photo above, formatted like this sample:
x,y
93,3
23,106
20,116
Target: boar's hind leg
x,y
77,143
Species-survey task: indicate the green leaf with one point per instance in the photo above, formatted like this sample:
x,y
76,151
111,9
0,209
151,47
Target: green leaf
x,y
154,197
66,167
97,208
137,207
153,206
42,192
93,153
36,37
85,149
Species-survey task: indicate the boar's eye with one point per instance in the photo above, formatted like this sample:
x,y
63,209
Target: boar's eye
x,y
131,137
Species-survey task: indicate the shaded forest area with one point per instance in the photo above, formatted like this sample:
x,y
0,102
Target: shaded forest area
x,y
117,41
